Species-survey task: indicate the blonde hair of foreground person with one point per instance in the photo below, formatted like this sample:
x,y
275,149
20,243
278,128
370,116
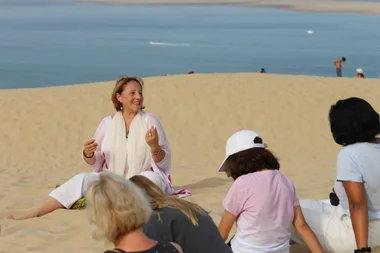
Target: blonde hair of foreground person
x,y
117,207
158,199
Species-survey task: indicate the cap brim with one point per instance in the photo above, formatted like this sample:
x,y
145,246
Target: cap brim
x,y
221,167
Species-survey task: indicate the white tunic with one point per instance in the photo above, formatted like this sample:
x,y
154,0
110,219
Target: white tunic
x,y
76,187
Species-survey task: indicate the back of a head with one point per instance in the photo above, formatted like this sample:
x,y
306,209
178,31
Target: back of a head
x,y
116,207
155,195
251,160
343,59
158,199
353,120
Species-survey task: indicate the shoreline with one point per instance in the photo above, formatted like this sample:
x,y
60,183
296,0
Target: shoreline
x,y
326,6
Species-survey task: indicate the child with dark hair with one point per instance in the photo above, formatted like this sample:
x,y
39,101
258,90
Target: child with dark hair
x,y
339,65
262,201
351,222
359,73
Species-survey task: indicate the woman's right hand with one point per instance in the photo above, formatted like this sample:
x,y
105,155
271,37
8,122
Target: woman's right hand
x,y
89,148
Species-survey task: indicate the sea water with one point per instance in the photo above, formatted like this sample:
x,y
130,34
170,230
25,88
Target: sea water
x,y
59,43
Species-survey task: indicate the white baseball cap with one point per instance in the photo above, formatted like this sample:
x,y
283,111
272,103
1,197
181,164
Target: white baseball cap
x,y
240,141
359,71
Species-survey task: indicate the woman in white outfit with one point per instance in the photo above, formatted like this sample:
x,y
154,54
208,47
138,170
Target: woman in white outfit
x,y
128,143
351,222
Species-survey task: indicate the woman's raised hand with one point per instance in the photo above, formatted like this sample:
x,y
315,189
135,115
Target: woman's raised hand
x,y
151,138
89,148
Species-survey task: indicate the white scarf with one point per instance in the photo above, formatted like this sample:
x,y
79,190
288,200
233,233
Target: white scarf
x,y
127,157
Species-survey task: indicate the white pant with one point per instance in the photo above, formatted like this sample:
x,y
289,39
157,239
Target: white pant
x,y
333,227
76,187
241,248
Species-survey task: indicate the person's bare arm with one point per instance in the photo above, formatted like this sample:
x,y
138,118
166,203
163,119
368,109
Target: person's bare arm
x,y
158,154
226,224
305,231
89,152
152,139
359,211
92,148
158,143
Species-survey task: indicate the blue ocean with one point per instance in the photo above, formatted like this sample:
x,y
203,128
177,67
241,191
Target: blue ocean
x,y
59,43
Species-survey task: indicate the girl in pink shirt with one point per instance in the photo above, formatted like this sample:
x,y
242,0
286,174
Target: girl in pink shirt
x,y
262,201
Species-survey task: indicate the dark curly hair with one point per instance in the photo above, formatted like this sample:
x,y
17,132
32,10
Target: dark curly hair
x,y
353,120
249,161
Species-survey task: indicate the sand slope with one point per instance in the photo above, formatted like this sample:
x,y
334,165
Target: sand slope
x,y
42,131
296,5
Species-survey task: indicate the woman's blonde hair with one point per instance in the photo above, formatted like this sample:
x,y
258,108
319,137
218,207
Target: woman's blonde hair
x,y
115,207
119,87
158,199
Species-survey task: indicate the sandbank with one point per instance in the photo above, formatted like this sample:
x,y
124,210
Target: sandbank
x,y
42,132
295,5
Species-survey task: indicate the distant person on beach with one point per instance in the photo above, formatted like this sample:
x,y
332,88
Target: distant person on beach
x,y
350,221
339,65
117,210
180,221
127,143
262,201
359,73
262,70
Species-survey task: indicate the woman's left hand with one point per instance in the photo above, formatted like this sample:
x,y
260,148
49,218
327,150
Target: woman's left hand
x,y
151,138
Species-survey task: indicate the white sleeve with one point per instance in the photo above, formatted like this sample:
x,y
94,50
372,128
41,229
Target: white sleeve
x,y
99,137
165,164
348,168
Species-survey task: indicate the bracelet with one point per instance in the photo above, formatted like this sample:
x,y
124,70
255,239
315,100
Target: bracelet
x,y
88,157
363,250
157,152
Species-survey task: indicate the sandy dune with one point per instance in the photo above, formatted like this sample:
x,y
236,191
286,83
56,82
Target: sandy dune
x,y
42,131
296,5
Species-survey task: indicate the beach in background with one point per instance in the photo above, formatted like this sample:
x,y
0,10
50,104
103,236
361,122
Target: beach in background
x,y
60,43
345,6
